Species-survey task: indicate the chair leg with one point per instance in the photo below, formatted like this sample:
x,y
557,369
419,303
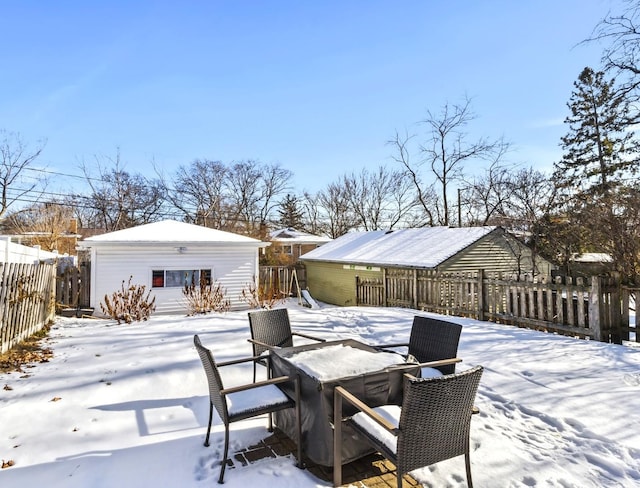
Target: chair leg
x,y
254,370
206,440
224,456
337,440
467,462
299,423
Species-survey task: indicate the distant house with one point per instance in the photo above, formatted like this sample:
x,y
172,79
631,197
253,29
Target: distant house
x,y
294,243
331,270
62,242
164,255
591,264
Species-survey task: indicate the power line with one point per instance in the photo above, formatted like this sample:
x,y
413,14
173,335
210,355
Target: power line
x,y
81,177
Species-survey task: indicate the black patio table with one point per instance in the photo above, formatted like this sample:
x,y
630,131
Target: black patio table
x,y
374,377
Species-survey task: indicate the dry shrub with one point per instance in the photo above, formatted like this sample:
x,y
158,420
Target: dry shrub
x,y
205,298
129,304
264,296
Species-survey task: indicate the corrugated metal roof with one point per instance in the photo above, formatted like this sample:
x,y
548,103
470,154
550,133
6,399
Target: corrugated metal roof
x,y
425,247
169,231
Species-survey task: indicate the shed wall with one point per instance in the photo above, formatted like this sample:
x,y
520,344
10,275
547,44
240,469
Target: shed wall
x,y
496,252
233,267
332,283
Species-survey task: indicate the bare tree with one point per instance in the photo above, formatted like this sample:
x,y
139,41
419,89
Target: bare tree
x,y
621,56
47,225
485,198
15,160
197,192
447,150
119,199
380,199
312,214
425,195
254,189
338,215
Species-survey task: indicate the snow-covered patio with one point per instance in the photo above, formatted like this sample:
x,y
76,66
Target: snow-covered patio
x,y
127,405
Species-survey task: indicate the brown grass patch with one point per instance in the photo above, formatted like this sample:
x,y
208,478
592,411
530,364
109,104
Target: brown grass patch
x,y
25,354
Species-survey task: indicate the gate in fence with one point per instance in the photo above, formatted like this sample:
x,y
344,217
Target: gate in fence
x,y
73,287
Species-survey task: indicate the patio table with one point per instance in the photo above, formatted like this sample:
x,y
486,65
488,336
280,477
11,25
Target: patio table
x,y
373,376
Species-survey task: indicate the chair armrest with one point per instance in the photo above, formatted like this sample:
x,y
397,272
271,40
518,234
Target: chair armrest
x,y
388,346
300,334
249,386
242,360
263,344
363,407
439,362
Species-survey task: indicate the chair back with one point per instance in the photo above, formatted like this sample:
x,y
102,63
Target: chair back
x,y
213,379
270,327
433,339
435,419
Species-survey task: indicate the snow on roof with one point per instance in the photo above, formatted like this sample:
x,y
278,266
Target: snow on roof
x,y
426,247
592,257
169,231
292,235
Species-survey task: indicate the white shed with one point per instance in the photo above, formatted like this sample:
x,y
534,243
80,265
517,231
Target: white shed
x,y
160,255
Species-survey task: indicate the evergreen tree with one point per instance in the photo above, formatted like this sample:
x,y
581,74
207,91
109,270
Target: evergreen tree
x,y
594,177
599,150
290,213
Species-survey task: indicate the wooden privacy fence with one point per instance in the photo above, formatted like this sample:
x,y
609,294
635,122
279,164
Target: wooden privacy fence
x,y
27,300
597,308
73,287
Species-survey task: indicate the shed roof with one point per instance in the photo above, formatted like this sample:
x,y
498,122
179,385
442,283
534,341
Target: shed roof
x,y
425,247
168,231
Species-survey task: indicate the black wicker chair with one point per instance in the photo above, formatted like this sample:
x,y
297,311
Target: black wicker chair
x,y
432,340
271,328
432,425
245,401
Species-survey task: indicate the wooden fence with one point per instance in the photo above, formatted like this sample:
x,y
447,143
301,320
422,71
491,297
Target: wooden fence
x,y
288,280
597,308
73,287
27,300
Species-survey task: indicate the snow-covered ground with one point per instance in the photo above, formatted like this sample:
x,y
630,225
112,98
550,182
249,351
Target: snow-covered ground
x,y
126,406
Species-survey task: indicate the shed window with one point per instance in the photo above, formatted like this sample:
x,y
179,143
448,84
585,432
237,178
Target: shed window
x,y
177,278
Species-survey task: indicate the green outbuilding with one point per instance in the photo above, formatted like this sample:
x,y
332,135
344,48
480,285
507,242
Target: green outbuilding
x,y
331,269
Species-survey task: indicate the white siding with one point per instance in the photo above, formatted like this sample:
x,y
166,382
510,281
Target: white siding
x,y
233,266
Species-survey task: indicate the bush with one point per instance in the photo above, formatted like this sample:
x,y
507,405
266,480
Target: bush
x,y
129,303
264,296
205,298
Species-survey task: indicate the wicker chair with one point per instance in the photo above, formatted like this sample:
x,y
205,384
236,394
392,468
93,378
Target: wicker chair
x,y
245,401
271,328
432,425
432,340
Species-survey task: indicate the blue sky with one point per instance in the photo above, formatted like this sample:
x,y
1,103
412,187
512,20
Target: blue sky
x,y
318,87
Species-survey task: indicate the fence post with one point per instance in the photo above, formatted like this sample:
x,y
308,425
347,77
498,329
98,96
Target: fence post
x,y
595,318
384,287
624,313
481,300
415,289
615,310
